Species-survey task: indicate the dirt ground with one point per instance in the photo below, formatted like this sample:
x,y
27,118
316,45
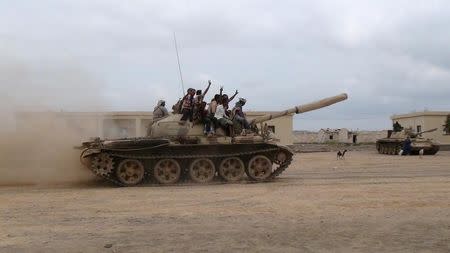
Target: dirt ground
x,y
366,203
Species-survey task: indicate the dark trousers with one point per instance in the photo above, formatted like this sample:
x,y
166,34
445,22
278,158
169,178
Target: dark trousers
x,y
210,121
207,122
242,121
187,114
226,125
406,148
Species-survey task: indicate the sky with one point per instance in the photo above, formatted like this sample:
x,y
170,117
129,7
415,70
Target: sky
x,y
391,57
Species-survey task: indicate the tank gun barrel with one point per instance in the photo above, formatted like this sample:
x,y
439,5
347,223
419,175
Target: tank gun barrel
x,y
426,131
301,108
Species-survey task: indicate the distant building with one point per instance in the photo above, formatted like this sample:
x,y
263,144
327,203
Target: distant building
x,y
341,135
421,121
123,124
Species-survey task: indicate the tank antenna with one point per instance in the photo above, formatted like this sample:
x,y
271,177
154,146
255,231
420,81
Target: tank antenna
x,y
178,60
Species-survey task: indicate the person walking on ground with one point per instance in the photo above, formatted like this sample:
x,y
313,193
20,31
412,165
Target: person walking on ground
x,y
407,146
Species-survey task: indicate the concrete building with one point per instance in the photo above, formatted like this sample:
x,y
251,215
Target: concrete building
x,y
421,121
339,136
122,124
282,127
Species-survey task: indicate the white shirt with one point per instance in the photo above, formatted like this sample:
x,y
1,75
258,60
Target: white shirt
x,y
220,112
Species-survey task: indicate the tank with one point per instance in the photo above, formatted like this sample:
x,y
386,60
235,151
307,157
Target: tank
x,y
174,152
393,143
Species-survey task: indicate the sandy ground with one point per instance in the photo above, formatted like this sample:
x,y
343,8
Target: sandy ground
x,y
367,203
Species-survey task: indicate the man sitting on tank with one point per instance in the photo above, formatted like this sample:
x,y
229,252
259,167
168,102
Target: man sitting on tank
x,y
225,96
160,111
222,118
397,127
226,100
225,104
201,116
211,110
238,115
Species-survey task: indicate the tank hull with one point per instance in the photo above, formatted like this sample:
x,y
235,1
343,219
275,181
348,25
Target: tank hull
x,y
389,146
106,159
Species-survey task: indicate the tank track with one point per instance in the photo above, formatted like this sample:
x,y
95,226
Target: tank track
x,y
389,148
117,155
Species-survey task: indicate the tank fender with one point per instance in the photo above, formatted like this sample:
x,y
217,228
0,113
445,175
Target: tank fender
x,y
89,151
286,149
283,154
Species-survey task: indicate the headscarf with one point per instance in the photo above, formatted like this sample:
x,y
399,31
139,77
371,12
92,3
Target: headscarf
x,y
160,102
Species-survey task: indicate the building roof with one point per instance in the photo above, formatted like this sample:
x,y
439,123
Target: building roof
x,y
330,130
420,114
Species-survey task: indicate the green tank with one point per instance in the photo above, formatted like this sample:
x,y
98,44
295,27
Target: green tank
x,y
393,143
175,151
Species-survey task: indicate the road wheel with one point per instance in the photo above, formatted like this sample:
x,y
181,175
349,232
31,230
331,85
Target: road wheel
x,y
202,170
167,171
391,150
130,172
102,164
259,168
397,150
232,169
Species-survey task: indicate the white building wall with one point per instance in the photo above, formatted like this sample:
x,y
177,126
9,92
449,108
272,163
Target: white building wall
x,y
322,136
327,135
283,126
344,136
305,137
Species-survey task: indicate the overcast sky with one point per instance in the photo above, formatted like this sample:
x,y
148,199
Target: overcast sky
x,y
389,56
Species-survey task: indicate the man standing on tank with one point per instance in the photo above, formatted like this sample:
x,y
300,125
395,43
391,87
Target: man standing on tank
x,y
199,105
187,105
397,127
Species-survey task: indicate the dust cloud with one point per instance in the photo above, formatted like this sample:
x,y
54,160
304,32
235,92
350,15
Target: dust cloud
x,y
40,156
37,147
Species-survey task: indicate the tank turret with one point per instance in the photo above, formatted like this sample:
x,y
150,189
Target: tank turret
x,y
171,128
408,132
